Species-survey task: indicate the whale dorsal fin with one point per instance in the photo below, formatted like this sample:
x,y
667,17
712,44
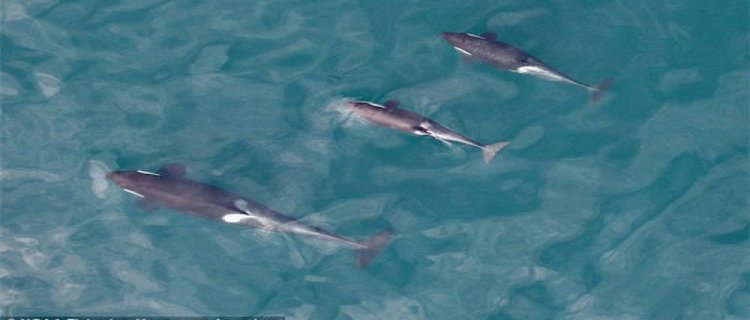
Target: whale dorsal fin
x,y
489,35
391,104
242,206
172,169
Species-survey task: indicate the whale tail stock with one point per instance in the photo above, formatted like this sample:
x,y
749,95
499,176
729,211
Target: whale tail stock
x,y
489,151
595,92
373,245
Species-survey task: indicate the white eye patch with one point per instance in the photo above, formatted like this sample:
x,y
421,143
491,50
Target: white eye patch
x,y
135,193
148,173
462,51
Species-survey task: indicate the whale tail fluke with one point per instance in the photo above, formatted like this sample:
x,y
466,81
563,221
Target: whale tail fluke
x,y
489,151
373,245
596,91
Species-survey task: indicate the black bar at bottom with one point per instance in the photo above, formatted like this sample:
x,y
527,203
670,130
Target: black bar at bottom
x,y
142,318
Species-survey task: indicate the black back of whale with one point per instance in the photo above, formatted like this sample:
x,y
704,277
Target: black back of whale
x,y
488,49
170,189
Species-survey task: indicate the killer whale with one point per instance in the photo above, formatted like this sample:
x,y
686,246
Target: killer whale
x,y
390,116
169,188
488,49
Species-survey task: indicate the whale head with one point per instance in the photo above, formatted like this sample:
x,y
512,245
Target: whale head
x,y
458,39
466,43
132,180
454,38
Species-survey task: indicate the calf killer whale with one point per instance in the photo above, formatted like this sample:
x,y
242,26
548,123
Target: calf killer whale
x,y
390,116
168,187
501,55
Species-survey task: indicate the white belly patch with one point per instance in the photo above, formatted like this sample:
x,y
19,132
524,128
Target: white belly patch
x,y
540,72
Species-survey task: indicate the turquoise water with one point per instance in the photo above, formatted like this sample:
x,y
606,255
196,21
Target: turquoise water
x,y
634,209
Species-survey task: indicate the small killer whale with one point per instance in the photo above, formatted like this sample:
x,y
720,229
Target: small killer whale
x,y
390,116
167,187
501,55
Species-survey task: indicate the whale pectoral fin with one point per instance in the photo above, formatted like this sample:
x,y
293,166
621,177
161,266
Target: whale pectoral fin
x,y
172,169
390,104
147,205
489,35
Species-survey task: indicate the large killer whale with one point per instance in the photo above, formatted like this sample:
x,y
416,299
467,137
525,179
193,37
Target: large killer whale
x,y
169,188
391,116
501,55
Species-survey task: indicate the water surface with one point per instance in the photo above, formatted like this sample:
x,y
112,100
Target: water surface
x,y
634,209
